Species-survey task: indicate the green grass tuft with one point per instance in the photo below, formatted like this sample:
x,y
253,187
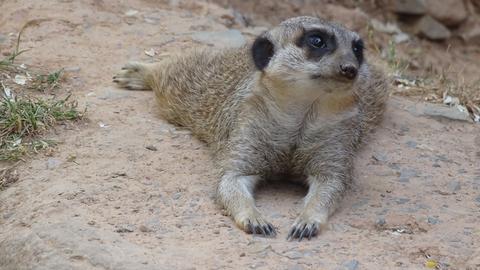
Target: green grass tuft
x,y
22,120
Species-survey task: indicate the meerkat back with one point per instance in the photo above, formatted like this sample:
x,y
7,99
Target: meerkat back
x,y
196,89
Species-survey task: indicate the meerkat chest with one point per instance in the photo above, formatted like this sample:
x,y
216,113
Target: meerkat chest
x,y
292,123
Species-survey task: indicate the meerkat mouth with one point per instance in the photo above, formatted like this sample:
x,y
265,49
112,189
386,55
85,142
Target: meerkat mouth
x,y
336,78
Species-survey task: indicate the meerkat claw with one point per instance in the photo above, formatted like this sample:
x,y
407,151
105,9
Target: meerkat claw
x,y
266,230
301,231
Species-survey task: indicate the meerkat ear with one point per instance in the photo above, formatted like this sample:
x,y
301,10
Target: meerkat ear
x,y
262,52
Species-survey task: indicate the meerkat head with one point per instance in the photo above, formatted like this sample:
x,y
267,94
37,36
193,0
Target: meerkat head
x,y
309,55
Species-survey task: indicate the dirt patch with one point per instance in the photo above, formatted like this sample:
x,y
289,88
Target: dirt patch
x,y
126,190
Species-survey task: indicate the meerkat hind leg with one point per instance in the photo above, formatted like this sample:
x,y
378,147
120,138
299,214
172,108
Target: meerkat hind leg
x,y
236,194
133,76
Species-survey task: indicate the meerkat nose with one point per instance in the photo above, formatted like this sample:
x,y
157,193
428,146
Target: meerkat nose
x,y
348,70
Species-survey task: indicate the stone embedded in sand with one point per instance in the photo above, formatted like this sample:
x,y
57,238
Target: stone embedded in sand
x,y
229,38
454,186
351,265
432,29
406,174
354,19
408,7
53,163
453,113
3,38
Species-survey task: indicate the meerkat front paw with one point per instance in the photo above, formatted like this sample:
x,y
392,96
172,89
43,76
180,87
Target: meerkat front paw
x,y
132,76
252,222
306,226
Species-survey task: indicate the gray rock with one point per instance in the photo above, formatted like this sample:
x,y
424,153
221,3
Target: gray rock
x,y
360,203
454,186
294,255
477,199
72,69
402,200
406,174
433,220
381,157
3,38
403,131
449,12
380,222
351,265
443,158
296,267
113,94
177,196
229,38
154,17
439,111
411,144
432,29
257,265
409,7
400,38
125,228
53,163
151,147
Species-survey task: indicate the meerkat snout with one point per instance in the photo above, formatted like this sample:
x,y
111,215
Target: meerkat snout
x,y
349,71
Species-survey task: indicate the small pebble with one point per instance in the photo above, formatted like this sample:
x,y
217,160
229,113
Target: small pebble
x,y
351,265
454,186
52,163
411,144
406,174
294,255
144,228
72,69
127,228
151,148
433,220
380,222
403,130
381,157
177,196
402,200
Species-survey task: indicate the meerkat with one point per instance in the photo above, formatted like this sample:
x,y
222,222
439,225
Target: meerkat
x,y
297,101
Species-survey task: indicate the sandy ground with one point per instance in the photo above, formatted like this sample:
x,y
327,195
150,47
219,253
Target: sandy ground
x,y
105,201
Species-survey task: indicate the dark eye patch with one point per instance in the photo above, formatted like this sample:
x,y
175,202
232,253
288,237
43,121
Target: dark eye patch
x,y
357,48
317,43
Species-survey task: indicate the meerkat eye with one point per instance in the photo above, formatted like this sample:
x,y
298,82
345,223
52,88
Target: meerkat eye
x,y
357,48
316,41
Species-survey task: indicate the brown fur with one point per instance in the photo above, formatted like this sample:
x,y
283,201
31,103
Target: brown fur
x,y
278,120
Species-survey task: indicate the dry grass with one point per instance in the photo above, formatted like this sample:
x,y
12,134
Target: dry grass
x,y
433,85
